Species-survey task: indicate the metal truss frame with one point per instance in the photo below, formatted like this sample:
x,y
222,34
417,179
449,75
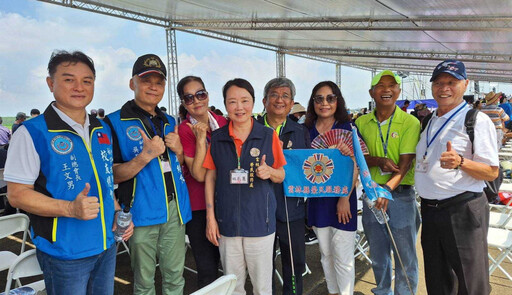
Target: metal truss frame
x,y
173,76
338,75
477,23
280,64
332,55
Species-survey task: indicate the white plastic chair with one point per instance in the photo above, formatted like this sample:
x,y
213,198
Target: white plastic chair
x,y
25,265
224,285
9,225
500,239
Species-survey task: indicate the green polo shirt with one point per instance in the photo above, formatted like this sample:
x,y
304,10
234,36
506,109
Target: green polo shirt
x,y
403,138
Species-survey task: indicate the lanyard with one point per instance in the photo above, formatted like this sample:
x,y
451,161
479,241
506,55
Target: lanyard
x,y
154,128
429,142
279,128
385,144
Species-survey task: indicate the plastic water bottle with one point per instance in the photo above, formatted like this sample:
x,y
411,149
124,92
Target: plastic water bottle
x,y
124,218
381,217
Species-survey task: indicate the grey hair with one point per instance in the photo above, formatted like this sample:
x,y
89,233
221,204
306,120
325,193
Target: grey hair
x,y
279,82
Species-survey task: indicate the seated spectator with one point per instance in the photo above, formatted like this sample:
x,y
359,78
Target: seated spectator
x,y
496,113
5,134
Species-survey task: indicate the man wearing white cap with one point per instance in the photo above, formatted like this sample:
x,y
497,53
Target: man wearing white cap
x,y
450,172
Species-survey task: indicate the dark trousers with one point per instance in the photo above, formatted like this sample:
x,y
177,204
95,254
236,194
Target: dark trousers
x,y
206,254
299,255
454,241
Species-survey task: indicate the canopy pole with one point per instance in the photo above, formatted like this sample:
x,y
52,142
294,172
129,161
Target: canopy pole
x,y
173,101
280,64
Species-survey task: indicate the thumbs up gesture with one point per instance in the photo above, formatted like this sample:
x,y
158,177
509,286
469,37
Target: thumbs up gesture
x,y
153,147
172,141
263,171
84,207
450,159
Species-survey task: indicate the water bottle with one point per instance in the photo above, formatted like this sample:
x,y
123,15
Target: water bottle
x,y
124,218
381,217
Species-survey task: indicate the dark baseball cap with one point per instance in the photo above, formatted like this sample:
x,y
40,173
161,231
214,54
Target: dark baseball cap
x,y
147,64
450,66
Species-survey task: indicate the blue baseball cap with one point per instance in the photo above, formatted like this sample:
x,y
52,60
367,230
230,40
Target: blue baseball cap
x,y
450,66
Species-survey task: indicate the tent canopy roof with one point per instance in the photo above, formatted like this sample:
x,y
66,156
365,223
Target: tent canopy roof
x,y
410,36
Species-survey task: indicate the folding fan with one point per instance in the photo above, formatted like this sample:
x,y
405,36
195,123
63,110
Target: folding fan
x,y
331,138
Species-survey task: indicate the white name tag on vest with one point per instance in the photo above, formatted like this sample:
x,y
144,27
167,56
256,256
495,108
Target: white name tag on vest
x,y
166,166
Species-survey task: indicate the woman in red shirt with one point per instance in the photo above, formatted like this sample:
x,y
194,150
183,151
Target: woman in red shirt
x,y
195,132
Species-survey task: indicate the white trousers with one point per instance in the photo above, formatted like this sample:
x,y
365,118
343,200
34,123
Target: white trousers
x,y
239,254
337,257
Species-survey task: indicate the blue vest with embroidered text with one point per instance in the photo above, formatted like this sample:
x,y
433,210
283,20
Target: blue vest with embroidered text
x,y
149,204
67,164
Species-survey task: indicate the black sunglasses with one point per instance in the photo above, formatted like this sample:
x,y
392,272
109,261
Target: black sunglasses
x,y
331,98
189,98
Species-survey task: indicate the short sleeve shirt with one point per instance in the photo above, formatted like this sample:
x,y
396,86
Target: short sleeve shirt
x,y
403,137
438,183
279,160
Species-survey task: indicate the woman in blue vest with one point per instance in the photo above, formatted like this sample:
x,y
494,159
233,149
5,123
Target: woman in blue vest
x,y
244,160
334,220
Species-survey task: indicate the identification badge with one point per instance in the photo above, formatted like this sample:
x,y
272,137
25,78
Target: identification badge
x,y
166,166
384,173
421,166
239,176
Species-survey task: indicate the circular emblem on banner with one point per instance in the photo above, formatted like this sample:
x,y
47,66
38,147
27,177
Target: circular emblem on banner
x,y
62,144
133,133
318,168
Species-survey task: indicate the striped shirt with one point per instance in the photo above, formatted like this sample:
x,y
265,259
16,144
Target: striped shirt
x,y
497,115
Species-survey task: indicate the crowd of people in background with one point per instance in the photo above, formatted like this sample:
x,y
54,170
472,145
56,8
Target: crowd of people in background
x,y
217,179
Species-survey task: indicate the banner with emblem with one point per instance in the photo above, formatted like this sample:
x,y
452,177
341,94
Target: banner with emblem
x,y
317,173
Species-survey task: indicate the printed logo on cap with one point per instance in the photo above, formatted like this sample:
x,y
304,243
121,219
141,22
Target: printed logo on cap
x,y
133,133
62,145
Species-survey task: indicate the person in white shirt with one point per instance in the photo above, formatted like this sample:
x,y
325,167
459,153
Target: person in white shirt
x,y
450,175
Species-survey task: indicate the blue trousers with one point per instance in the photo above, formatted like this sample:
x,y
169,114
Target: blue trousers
x,y
404,222
86,276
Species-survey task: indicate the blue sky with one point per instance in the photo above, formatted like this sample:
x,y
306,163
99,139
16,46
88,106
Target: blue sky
x,y
31,30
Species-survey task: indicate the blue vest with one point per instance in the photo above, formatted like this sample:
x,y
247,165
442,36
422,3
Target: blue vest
x,y
243,210
67,164
149,202
294,136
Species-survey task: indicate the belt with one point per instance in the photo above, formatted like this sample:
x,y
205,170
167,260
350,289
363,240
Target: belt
x,y
465,196
402,187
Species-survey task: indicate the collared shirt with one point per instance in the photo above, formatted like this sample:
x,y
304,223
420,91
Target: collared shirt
x,y
438,183
403,137
25,167
5,135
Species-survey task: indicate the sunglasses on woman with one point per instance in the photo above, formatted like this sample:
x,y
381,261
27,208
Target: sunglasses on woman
x,y
331,98
188,99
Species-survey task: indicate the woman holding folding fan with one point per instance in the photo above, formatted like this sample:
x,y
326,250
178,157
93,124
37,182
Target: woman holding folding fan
x,y
195,135
334,220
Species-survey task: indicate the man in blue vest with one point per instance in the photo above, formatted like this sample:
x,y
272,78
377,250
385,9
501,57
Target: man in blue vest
x,y
59,169
278,99
147,165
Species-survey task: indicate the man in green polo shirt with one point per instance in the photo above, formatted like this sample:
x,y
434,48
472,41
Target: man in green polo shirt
x,y
391,136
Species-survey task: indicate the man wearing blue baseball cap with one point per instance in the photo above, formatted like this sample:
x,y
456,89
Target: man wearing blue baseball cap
x,y
452,163
391,136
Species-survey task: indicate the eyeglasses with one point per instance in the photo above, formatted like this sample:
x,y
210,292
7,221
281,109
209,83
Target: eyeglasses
x,y
188,99
275,96
331,98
